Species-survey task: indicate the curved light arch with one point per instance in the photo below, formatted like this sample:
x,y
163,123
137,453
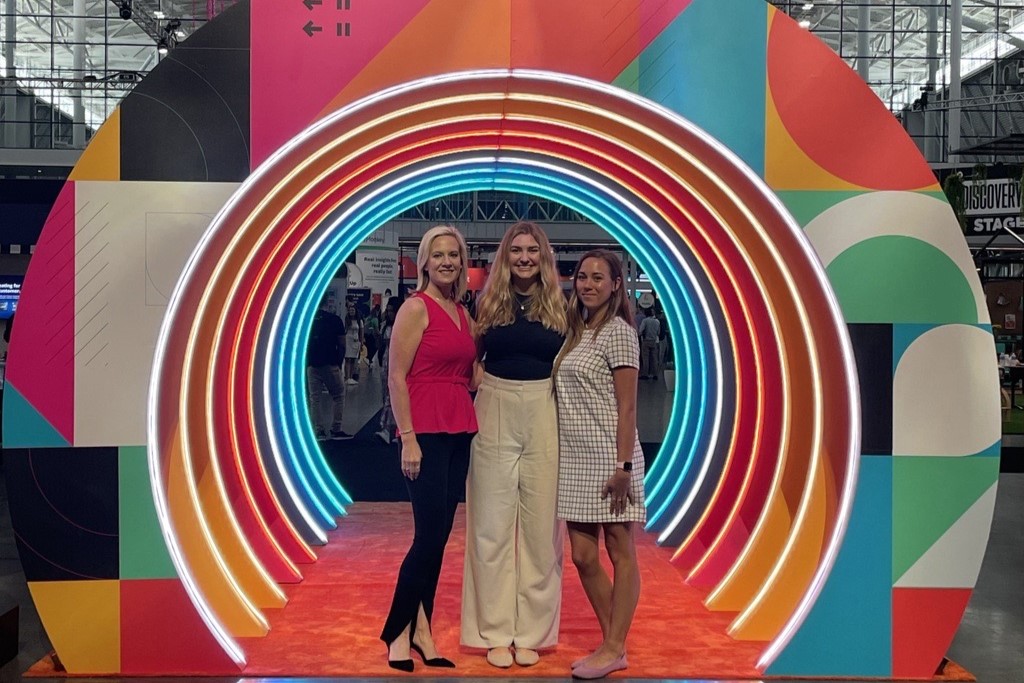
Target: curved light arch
x,y
527,89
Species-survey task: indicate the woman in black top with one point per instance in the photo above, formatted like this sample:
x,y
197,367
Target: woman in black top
x,y
511,591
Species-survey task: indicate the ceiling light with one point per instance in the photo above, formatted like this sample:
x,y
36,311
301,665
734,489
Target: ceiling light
x,y
162,47
807,6
125,11
805,23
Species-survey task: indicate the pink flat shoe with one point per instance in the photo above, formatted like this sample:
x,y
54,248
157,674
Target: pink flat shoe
x,y
587,672
579,662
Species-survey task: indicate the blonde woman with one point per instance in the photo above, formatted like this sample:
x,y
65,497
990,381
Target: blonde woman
x,y
601,466
511,591
431,365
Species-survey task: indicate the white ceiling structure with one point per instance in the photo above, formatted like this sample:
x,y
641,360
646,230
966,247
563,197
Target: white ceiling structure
x,y
897,35
117,51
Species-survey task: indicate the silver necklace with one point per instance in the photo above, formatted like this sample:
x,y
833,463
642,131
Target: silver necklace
x,y
522,300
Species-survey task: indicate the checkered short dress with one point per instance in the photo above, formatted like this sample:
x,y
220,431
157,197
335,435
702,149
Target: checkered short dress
x,y
587,420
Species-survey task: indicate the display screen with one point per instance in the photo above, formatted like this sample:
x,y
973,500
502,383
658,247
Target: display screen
x,y
10,291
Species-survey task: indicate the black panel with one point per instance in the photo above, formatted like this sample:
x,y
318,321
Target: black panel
x,y
188,120
24,206
64,511
872,347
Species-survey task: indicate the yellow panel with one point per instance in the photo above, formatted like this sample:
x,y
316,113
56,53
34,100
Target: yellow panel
x,y
101,160
742,583
83,621
769,613
786,166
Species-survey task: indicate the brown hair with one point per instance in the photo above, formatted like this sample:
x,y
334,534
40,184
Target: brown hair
x,y
616,307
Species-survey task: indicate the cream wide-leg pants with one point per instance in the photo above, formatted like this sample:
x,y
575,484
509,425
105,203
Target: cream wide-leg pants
x,y
512,580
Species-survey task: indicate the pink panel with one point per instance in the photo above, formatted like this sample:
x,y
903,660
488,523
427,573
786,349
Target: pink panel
x,y
41,358
292,82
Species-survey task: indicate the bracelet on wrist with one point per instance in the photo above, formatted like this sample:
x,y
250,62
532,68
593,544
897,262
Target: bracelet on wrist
x,y
403,433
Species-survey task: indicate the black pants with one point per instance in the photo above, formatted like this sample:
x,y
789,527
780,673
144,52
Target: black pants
x,y
435,494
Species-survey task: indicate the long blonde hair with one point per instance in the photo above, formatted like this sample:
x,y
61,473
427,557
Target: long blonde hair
x,y
423,256
496,305
617,306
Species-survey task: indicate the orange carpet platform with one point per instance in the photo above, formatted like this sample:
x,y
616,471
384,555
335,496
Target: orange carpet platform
x,y
331,624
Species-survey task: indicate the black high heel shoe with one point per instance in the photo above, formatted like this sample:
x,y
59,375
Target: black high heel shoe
x,y
433,661
405,665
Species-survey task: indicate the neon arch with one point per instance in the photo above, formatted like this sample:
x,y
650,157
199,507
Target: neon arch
x,y
762,497
436,107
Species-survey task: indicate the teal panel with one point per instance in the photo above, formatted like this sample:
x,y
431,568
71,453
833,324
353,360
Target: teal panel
x,y
709,66
849,627
24,427
897,279
806,205
143,553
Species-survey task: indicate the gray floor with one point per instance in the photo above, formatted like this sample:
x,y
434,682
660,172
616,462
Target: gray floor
x,y
990,642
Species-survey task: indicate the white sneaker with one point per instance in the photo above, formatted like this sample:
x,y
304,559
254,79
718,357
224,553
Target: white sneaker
x,y
351,382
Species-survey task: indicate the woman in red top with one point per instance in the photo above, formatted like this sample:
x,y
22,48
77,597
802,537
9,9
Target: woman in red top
x,y
431,361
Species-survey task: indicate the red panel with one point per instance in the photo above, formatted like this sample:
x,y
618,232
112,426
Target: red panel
x,y
924,621
161,632
606,35
292,82
41,358
834,119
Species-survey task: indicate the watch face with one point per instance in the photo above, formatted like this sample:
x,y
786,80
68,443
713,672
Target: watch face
x,y
626,466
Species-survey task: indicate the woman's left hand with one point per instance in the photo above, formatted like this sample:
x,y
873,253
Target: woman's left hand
x,y
617,488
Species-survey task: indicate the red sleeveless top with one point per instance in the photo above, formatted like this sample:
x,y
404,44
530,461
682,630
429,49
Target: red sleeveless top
x,y
440,374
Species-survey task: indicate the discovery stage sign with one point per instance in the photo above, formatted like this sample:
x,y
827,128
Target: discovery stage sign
x,y
991,205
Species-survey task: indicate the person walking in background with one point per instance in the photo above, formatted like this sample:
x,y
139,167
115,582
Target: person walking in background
x,y
650,333
433,358
601,466
324,356
511,590
387,416
371,334
353,343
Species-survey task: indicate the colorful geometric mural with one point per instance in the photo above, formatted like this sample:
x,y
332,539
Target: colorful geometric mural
x,y
827,474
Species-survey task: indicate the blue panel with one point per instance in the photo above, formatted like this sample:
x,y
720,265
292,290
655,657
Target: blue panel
x,y
24,427
709,67
849,628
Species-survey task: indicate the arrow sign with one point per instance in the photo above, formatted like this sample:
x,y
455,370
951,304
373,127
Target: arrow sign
x,y
309,3
310,28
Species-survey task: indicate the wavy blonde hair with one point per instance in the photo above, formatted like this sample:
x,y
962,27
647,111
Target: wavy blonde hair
x,y
617,306
423,256
496,305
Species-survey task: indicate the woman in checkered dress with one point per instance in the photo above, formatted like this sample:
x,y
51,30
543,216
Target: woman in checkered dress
x,y
601,466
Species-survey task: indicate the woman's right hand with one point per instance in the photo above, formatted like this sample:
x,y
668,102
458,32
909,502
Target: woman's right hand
x,y
412,456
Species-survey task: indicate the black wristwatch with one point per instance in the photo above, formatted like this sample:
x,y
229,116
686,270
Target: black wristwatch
x,y
625,465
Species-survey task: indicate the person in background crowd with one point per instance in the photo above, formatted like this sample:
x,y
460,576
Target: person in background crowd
x,y
511,590
650,333
371,335
353,343
601,466
387,416
432,363
324,356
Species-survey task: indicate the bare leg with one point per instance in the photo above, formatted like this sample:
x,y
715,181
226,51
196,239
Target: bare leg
x,y
625,592
596,584
422,636
398,649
